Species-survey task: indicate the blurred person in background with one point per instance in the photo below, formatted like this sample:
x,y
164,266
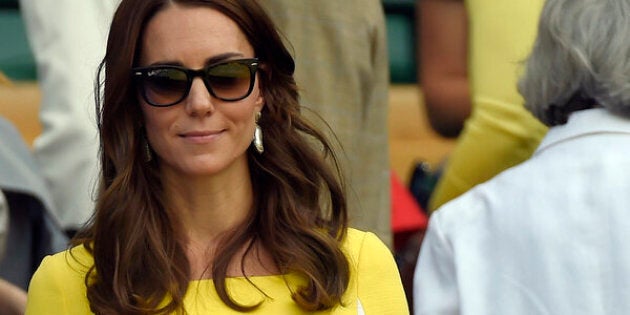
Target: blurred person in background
x,y
12,298
28,229
469,56
549,236
342,71
68,41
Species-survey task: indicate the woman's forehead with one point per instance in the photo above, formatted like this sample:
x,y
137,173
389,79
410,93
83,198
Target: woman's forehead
x,y
190,33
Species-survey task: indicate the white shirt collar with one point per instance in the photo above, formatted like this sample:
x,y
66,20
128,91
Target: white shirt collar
x,y
584,122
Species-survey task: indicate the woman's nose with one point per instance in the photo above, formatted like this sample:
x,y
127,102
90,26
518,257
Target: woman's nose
x,y
199,101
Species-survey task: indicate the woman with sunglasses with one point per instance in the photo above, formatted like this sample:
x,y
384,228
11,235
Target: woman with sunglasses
x,y
197,212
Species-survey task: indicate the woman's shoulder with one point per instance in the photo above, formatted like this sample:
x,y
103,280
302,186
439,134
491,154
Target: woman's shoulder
x,y
361,244
58,285
375,282
357,237
73,262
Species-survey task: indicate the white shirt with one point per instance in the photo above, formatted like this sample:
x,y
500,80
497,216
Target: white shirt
x,y
549,236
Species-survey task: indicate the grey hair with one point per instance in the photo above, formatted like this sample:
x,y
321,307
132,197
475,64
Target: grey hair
x,y
583,46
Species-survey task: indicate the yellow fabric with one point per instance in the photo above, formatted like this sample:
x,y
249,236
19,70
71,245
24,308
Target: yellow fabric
x,y
58,286
500,132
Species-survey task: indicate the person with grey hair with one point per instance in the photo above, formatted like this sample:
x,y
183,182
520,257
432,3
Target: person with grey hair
x,y
549,236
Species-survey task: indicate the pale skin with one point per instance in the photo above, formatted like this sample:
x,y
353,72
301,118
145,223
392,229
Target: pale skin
x,y
201,142
443,29
12,299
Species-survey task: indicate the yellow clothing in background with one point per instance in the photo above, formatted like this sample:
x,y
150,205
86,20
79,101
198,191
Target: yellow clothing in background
x,y
500,132
58,286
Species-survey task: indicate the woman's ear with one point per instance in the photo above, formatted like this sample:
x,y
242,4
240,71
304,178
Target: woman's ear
x,y
260,100
263,77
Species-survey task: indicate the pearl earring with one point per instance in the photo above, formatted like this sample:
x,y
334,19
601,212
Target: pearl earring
x,y
258,136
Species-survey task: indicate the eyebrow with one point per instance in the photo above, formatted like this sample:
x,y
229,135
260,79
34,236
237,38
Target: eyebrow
x,y
209,61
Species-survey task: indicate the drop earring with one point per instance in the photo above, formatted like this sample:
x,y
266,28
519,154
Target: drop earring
x,y
258,136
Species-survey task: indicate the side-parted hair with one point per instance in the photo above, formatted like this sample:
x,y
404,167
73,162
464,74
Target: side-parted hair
x,y
299,215
582,53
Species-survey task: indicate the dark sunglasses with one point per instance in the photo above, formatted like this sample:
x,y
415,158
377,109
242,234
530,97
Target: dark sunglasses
x,y
166,85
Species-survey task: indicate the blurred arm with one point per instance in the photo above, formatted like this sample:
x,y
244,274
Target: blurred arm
x,y
443,64
12,299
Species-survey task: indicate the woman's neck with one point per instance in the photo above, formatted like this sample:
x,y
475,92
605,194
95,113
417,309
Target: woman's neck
x,y
207,207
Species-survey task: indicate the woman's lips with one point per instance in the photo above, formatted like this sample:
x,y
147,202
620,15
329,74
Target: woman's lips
x,y
200,137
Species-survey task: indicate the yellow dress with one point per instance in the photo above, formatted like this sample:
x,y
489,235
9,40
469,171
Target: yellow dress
x,y
500,132
58,286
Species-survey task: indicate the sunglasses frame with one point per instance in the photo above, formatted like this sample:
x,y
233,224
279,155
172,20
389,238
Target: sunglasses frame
x,y
140,73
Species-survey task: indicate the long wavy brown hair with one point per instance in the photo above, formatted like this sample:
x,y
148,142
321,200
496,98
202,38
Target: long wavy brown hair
x,y
299,215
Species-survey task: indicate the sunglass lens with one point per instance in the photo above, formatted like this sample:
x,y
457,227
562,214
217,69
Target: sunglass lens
x,y
229,81
165,86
